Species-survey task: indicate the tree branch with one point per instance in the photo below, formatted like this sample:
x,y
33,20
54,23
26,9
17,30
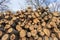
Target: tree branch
x,y
2,2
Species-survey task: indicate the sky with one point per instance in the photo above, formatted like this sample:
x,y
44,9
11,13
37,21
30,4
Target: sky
x,y
15,5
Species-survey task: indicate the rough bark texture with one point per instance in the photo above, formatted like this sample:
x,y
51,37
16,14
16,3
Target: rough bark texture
x,y
30,25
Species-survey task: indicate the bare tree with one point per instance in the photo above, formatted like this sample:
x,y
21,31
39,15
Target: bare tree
x,y
3,6
57,6
34,3
37,3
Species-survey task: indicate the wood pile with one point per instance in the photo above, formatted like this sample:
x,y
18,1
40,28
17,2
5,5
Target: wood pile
x,y
30,25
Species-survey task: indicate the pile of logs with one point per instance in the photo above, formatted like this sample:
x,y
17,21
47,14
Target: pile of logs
x,y
30,25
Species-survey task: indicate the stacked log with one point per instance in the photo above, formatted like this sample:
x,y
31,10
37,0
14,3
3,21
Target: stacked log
x,y
30,25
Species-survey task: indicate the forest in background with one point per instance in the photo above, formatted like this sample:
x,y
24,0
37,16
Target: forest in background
x,y
14,5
